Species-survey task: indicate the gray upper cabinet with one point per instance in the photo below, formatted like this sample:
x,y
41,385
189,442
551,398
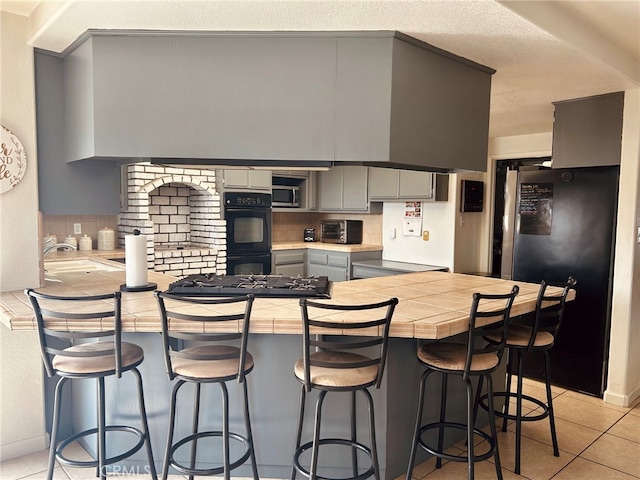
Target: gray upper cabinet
x,y
386,184
243,179
344,189
376,98
587,132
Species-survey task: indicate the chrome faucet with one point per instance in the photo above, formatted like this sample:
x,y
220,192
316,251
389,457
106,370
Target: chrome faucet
x,y
55,246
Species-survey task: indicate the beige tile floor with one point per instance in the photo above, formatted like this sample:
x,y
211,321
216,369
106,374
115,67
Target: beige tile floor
x,y
597,441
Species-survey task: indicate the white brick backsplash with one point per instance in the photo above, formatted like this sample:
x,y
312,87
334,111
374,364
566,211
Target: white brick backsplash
x,y
175,206
168,228
161,238
166,191
159,200
167,209
177,237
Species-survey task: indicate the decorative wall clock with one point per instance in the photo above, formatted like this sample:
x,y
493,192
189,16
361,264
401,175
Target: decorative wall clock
x,y
13,160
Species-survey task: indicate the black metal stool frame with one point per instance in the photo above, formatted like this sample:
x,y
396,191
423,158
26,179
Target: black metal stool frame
x,y
347,346
45,317
548,317
501,315
171,352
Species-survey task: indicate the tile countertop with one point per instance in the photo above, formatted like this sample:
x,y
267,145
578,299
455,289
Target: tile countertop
x,y
433,305
338,247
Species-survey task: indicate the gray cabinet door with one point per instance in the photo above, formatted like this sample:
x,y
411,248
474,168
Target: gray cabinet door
x,y
392,184
246,179
355,192
330,194
383,183
415,184
289,262
337,274
293,270
235,178
315,270
344,189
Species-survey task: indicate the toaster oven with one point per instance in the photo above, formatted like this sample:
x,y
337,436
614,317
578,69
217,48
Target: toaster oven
x,y
341,231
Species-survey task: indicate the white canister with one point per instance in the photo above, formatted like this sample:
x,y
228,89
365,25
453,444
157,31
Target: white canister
x,y
106,239
85,243
71,241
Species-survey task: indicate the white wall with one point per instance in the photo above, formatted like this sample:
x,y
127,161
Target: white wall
x,y
623,380
438,218
21,381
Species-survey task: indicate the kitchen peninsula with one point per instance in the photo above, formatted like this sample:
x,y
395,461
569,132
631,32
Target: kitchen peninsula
x,y
433,305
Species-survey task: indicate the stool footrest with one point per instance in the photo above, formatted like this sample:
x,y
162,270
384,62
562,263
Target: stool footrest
x,y
209,471
333,441
513,395
456,458
93,431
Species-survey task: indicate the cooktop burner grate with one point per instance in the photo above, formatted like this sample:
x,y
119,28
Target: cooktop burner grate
x,y
259,285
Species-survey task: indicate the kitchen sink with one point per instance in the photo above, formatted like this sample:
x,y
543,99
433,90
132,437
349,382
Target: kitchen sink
x,y
74,266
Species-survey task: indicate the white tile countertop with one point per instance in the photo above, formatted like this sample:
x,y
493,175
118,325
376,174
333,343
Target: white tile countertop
x,y
432,305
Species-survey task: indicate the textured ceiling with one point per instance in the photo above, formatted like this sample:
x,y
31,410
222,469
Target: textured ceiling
x,y
542,51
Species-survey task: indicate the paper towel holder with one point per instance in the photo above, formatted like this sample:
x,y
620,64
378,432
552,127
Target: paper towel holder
x,y
140,288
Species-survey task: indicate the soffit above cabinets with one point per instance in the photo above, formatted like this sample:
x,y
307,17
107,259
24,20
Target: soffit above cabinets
x,y
304,99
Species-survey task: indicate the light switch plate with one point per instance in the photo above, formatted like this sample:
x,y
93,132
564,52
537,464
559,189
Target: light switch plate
x,y
425,235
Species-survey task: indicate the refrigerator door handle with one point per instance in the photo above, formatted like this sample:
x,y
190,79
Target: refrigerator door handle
x,y
508,223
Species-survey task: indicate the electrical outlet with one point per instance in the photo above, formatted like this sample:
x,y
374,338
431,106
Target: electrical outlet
x,y
425,235
77,228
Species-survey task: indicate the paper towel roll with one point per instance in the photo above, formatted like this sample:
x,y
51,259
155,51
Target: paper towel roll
x,y
135,250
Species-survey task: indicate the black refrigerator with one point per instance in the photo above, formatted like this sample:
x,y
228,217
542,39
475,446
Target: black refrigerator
x,y
564,224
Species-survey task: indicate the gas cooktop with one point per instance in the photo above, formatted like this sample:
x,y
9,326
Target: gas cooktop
x,y
259,285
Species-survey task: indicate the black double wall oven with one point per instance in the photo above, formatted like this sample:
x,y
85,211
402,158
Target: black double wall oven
x,y
248,217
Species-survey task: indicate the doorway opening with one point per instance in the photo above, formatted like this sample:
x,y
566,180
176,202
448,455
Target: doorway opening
x,y
502,167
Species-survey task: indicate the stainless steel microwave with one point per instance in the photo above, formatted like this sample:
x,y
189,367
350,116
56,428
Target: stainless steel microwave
x,y
285,196
341,231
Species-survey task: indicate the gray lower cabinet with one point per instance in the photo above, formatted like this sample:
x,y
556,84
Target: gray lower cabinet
x,y
289,262
336,266
345,189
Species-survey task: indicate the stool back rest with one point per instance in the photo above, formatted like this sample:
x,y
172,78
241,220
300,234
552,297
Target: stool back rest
x,y
61,320
488,308
338,328
550,307
188,321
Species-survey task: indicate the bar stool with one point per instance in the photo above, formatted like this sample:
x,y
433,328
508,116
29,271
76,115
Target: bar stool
x,y
466,361
524,339
86,354
200,341
341,362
